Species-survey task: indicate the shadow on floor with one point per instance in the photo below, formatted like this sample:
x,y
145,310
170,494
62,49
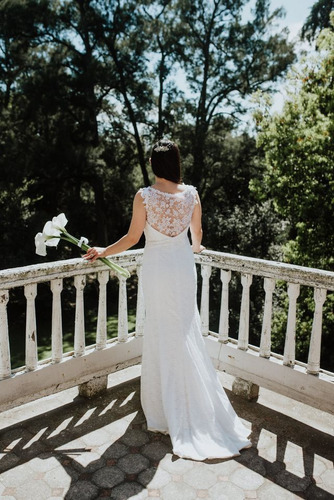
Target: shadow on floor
x,y
126,466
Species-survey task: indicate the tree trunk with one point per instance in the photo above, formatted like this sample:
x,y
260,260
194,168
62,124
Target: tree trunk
x,y
132,117
100,210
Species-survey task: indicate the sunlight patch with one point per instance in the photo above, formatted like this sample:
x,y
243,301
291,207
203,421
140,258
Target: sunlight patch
x,y
267,445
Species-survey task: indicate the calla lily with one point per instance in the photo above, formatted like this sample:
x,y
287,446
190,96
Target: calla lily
x,y
60,222
40,244
51,234
54,231
50,231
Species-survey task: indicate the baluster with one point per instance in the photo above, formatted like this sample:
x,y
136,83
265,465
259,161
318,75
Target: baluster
x,y
265,345
57,327
290,340
140,313
246,281
206,273
225,277
30,292
101,329
5,367
313,363
79,327
122,311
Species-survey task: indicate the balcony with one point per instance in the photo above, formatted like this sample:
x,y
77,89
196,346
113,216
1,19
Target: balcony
x,y
72,425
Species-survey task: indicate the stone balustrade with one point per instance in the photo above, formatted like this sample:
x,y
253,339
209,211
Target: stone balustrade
x,y
257,365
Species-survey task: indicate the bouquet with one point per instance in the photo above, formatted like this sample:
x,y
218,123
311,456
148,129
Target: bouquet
x,y
54,231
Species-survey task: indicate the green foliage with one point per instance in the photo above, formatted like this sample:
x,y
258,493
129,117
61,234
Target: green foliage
x,y
87,86
299,178
225,60
299,156
318,19
233,221
80,104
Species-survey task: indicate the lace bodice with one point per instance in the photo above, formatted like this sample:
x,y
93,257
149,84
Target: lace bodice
x,y
168,213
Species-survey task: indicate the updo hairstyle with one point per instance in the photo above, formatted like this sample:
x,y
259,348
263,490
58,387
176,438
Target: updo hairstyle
x,y
165,161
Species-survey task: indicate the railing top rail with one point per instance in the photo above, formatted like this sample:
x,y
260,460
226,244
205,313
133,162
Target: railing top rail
x,y
268,269
291,273
38,273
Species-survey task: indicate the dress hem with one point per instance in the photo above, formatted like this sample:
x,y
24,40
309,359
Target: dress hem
x,y
215,457
151,429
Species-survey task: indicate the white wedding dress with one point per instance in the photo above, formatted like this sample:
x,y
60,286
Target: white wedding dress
x,y
181,394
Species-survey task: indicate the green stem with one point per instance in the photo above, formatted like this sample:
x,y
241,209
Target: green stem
x,y
71,239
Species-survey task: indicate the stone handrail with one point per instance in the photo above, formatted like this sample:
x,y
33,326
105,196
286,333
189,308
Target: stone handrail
x,y
308,383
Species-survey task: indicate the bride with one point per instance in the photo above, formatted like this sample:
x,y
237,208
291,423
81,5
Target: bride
x,y
181,394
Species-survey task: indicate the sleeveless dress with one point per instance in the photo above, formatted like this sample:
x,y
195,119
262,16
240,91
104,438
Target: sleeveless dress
x,y
181,394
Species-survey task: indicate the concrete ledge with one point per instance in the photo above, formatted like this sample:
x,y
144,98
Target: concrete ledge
x,y
270,373
70,372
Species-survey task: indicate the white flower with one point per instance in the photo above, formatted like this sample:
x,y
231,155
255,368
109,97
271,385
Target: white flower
x,y
59,222
40,244
51,234
55,230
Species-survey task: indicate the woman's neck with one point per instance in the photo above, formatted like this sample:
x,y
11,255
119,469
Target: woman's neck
x,y
167,186
160,181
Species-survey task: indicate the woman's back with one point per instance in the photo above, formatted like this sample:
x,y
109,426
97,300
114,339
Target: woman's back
x,y
169,213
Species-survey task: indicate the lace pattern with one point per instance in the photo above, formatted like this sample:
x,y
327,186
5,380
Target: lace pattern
x,y
168,213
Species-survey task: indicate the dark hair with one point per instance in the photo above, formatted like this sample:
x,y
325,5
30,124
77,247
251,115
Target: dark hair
x,y
165,161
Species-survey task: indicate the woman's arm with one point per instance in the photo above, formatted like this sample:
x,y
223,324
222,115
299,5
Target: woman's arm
x,y
196,227
128,240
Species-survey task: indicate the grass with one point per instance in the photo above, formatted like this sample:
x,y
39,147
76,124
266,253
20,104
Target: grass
x,y
17,321
44,351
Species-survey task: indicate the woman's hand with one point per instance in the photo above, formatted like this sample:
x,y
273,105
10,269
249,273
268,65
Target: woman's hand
x,y
197,249
94,253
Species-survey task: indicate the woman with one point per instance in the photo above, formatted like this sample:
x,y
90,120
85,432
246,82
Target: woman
x,y
180,391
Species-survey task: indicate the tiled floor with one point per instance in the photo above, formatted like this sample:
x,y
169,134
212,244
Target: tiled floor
x,y
64,446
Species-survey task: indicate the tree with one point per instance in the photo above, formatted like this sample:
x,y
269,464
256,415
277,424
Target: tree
x,y
123,37
56,156
86,85
225,60
160,19
299,157
318,19
21,24
299,178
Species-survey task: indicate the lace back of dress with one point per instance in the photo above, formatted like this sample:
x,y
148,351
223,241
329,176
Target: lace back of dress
x,y
170,214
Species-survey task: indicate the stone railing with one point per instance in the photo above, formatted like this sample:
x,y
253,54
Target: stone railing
x,y
305,382
85,364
